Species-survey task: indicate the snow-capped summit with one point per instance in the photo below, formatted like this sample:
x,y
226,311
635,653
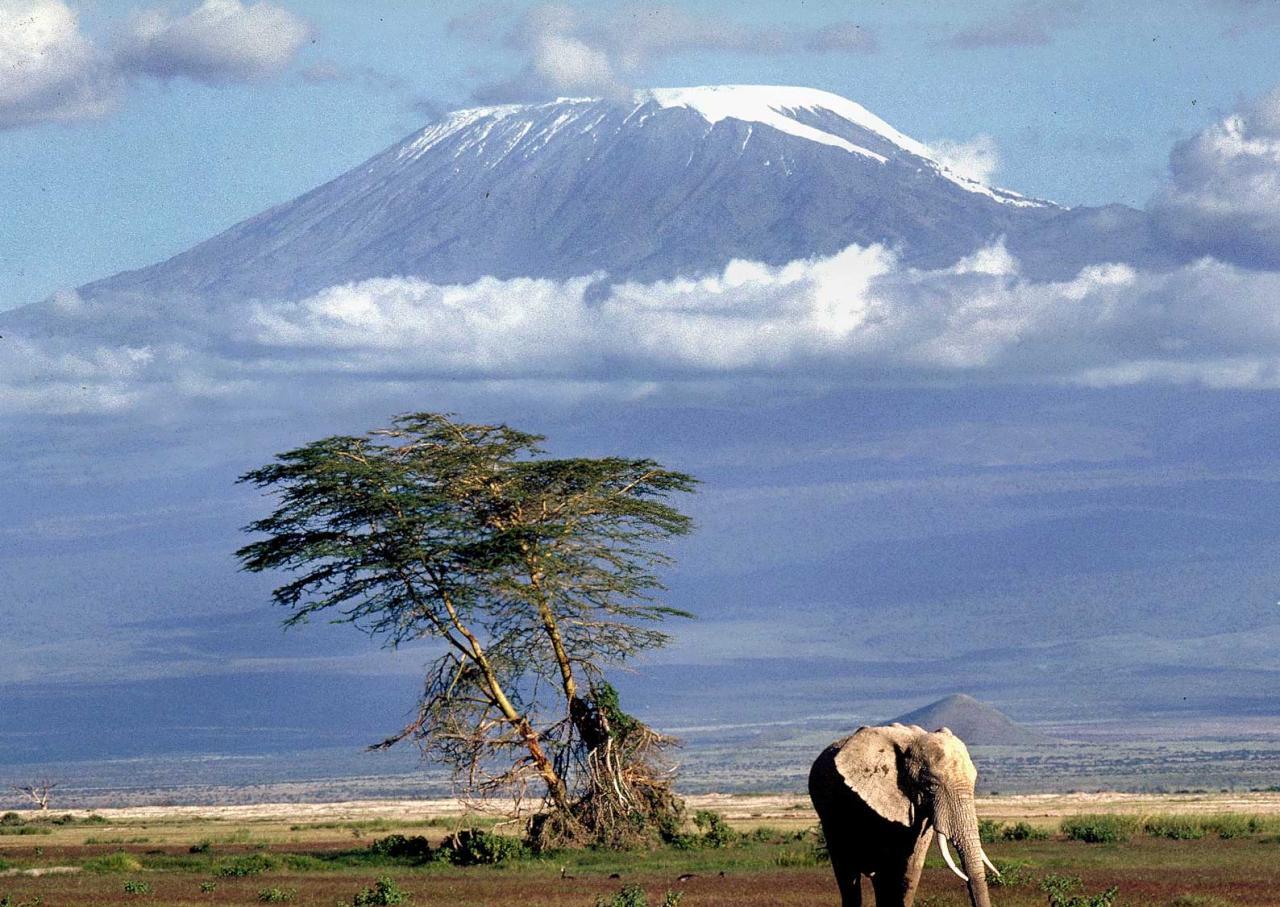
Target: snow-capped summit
x,y
672,181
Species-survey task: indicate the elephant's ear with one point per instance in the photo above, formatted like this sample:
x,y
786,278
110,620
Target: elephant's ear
x,y
868,762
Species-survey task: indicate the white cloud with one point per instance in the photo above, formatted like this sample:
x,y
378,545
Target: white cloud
x,y
1223,198
218,41
585,51
976,159
855,318
49,71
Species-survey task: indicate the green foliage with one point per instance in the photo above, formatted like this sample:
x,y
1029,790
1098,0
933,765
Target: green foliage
x,y
672,899
137,886
1012,874
1099,829
630,896
989,830
3,864
1178,828
715,830
1024,831
277,895
1061,892
208,887
113,862
1198,900
24,830
250,865
385,891
399,847
202,846
475,847
11,818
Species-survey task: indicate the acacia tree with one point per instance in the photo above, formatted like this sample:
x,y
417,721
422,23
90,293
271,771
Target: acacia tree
x,y
534,574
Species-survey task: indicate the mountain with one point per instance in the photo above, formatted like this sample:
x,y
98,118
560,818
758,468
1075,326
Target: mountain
x,y
974,722
671,182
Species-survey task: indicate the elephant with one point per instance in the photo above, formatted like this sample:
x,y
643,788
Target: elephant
x,y
881,793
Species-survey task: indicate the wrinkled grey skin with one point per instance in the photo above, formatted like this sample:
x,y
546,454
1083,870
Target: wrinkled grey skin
x,y
881,793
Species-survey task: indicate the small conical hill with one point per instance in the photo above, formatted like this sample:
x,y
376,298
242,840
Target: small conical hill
x,y
974,722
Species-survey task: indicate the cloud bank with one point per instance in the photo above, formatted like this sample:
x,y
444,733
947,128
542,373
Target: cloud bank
x,y
857,318
53,72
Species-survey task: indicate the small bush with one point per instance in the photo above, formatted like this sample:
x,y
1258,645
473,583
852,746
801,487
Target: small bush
x,y
1060,890
1099,829
1023,831
398,847
1198,900
208,887
715,830
630,896
1012,873
251,865
1178,828
1234,825
277,895
205,846
3,864
136,886
989,830
11,818
384,891
672,899
24,830
113,862
473,847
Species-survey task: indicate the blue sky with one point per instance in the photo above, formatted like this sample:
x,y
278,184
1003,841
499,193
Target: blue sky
x,y
1082,102
1055,494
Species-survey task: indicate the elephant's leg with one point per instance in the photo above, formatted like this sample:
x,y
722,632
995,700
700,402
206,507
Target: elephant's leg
x,y
915,865
850,882
896,884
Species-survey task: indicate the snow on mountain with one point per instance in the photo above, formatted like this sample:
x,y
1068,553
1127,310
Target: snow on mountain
x,y
673,182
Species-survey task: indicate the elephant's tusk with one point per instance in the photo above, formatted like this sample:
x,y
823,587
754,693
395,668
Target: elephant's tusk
x,y
946,855
990,865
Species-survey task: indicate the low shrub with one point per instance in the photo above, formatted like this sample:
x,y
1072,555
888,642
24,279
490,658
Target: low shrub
x,y
1060,890
474,847
251,865
137,886
399,847
715,830
630,896
3,864
1234,825
1198,900
1023,831
113,862
1012,873
1178,828
205,846
989,830
383,892
1099,829
277,895
11,818
24,830
208,887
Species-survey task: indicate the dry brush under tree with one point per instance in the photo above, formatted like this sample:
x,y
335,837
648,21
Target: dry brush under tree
x,y
533,574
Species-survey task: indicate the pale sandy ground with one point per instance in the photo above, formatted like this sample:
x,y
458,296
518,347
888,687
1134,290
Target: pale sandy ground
x,y
743,807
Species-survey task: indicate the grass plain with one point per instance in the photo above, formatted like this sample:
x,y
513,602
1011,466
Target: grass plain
x,y
1174,851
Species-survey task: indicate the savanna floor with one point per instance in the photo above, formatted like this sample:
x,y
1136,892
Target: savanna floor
x,y
321,855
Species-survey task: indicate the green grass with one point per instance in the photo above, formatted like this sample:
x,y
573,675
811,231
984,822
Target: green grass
x,y
113,862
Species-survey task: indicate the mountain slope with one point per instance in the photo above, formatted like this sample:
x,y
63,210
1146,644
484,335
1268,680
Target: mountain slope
x,y
672,182
974,722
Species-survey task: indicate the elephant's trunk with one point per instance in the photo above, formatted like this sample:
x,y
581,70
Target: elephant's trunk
x,y
956,818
